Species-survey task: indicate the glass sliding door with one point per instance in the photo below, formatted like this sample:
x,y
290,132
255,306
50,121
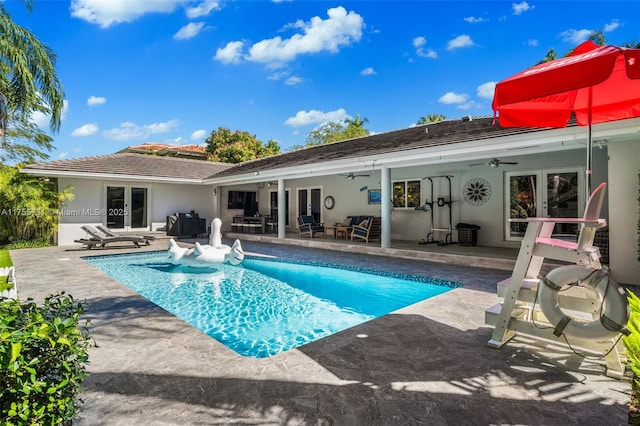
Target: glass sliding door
x,y
545,193
115,207
138,207
273,205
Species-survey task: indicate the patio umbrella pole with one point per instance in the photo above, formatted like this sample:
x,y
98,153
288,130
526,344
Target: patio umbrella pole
x,y
589,147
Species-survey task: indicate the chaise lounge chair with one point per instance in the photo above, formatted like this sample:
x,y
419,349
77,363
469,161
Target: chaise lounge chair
x,y
109,233
99,239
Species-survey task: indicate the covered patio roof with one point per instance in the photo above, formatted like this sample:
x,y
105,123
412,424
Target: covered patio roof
x,y
463,139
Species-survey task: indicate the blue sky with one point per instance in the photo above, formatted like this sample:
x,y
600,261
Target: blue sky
x,y
172,71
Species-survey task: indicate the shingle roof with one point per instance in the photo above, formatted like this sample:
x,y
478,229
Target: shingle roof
x,y
168,150
430,135
136,165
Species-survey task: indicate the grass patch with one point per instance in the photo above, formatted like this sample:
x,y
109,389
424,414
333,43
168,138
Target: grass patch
x,y
5,259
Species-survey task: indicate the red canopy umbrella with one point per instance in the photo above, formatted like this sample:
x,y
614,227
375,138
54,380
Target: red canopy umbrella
x,y
596,83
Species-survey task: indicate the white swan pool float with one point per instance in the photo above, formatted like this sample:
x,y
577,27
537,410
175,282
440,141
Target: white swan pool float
x,y
205,255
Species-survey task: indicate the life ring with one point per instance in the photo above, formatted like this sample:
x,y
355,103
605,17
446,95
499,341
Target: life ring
x,y
615,307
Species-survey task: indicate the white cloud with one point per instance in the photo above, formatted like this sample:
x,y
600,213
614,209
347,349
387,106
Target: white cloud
x,y
230,54
177,140
611,26
450,98
63,155
419,43
96,100
279,75
293,80
519,8
190,30
532,42
486,90
460,41
474,19
131,131
317,35
198,135
305,118
42,120
107,13
575,36
368,71
289,80
85,130
203,9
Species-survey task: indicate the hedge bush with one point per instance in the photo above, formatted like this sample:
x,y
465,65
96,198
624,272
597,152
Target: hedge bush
x,y
43,358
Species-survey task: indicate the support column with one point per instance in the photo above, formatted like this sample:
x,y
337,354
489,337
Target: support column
x,y
282,210
385,207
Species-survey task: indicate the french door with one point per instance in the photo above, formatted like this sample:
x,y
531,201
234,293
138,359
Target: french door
x,y
310,203
126,207
545,193
273,205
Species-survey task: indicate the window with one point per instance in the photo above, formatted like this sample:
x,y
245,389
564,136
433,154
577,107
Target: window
x,y
406,194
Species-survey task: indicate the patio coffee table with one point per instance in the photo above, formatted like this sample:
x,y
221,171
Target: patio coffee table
x,y
338,231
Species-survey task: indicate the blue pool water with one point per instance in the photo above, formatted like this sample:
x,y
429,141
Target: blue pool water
x,y
266,306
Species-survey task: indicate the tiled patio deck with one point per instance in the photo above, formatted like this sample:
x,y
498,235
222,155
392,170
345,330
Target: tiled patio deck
x,y
425,364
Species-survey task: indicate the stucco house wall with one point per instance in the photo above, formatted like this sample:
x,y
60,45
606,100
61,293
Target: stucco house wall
x,y
623,213
163,199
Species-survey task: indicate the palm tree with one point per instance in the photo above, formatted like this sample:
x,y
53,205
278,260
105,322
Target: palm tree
x,y
357,122
431,118
28,82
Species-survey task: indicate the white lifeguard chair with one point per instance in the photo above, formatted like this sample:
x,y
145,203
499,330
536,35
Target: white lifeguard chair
x,y
519,312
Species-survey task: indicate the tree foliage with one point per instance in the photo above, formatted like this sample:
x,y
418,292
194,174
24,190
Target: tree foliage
x,y
431,118
43,353
29,206
336,131
239,146
28,84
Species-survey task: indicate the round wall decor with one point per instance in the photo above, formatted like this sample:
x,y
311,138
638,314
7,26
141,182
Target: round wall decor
x,y
329,202
476,191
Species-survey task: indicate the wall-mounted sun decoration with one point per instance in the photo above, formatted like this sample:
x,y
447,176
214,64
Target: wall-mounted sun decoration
x,y
476,191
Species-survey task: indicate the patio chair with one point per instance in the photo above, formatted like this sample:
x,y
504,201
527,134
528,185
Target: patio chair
x,y
308,226
109,233
368,229
99,239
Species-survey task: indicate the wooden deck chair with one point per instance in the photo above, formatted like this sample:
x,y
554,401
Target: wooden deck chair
x,y
368,231
308,226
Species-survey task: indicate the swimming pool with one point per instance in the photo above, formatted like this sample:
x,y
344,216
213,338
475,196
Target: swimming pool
x,y
266,306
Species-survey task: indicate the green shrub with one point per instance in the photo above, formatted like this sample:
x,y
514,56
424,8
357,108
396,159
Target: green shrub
x,y
43,357
632,344
22,244
632,341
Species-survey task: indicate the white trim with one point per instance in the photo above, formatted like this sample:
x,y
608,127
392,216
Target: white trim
x,y
84,175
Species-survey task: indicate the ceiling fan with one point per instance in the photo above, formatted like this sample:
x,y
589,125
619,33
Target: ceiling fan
x,y
494,162
353,176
